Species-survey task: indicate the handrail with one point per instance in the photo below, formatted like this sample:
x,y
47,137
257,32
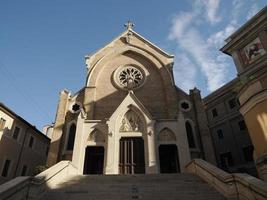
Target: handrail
x,y
240,186
34,187
50,172
50,177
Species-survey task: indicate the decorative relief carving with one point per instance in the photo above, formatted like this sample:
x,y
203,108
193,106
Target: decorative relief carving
x,y
130,122
128,37
96,136
129,77
166,135
252,51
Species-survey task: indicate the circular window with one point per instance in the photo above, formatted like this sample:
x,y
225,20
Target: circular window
x,y
185,105
129,77
75,107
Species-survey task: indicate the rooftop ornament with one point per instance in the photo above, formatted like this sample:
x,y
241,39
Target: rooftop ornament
x,y
129,25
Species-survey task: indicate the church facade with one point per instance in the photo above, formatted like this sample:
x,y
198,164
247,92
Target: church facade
x,y
130,117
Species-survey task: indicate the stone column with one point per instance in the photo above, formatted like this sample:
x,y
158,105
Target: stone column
x,y
53,155
152,167
112,149
79,147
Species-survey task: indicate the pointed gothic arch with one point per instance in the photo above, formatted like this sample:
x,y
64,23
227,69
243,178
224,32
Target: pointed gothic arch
x,y
96,136
152,58
166,135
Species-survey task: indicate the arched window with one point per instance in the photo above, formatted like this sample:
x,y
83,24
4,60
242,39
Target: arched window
x,y
71,138
190,135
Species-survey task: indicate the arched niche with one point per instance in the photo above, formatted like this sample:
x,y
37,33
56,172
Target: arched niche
x,y
131,122
96,136
166,135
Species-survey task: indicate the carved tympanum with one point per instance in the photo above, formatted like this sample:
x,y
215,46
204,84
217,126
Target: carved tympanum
x,y
131,122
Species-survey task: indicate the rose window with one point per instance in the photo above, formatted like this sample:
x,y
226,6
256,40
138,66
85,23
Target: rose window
x,y
130,77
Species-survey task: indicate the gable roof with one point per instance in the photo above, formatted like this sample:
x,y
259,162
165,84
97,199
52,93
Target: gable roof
x,y
125,33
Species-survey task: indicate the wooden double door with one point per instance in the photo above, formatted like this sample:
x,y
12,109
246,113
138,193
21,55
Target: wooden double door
x,y
132,160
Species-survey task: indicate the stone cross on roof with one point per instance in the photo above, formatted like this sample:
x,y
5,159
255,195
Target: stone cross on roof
x,y
129,25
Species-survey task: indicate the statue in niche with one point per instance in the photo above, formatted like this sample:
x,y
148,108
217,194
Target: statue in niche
x,y
130,122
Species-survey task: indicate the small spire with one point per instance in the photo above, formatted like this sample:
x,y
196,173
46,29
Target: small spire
x,y
129,25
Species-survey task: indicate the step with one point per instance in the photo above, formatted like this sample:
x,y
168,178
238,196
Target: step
x,y
128,187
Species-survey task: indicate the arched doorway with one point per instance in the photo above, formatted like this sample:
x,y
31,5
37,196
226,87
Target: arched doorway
x,y
132,159
168,153
94,160
169,160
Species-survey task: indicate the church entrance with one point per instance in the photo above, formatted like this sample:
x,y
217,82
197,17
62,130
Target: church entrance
x,y
94,160
169,160
132,159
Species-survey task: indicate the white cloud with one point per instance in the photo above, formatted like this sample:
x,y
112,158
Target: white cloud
x,y
200,54
217,39
180,23
189,40
184,72
212,9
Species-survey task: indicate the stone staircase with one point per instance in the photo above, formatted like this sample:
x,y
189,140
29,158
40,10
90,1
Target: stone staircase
x,y
182,186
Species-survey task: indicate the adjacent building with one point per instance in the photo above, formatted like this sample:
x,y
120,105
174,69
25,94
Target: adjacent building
x,y
232,144
248,47
22,146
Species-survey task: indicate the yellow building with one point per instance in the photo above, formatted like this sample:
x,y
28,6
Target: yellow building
x,y
22,146
248,46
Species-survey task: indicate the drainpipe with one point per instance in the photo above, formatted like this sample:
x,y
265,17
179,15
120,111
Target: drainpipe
x,y
21,150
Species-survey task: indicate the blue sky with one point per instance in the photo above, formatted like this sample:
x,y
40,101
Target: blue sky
x,y
43,44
